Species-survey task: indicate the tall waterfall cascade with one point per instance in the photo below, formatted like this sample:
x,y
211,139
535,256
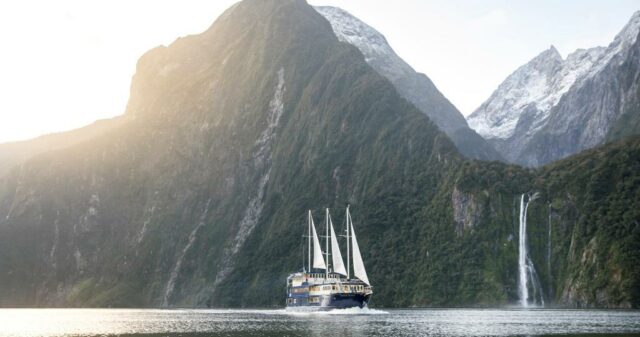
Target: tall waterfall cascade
x,y
527,276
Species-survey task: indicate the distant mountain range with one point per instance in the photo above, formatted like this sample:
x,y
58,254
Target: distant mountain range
x,y
551,107
198,195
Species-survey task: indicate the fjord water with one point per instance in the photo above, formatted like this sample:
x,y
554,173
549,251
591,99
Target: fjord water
x,y
367,322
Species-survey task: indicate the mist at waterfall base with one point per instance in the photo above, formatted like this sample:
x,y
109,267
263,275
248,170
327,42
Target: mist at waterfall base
x,y
348,322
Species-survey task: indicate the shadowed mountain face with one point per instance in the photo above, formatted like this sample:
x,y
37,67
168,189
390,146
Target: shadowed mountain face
x,y
199,197
417,88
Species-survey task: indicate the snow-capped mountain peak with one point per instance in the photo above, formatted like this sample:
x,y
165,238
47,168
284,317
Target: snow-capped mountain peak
x,y
533,85
542,96
542,82
370,42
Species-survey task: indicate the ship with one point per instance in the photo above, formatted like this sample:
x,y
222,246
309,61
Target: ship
x,y
325,284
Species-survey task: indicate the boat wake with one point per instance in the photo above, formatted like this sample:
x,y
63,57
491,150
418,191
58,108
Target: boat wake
x,y
357,311
347,311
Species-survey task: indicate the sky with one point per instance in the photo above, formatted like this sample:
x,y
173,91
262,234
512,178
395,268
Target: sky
x,y
67,63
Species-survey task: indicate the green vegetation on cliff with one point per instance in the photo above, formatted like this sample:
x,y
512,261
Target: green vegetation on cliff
x,y
199,197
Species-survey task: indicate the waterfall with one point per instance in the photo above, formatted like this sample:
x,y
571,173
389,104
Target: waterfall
x,y
178,266
523,290
549,276
527,275
262,164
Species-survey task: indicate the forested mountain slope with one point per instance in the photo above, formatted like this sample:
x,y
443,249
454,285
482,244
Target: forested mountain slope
x,y
199,198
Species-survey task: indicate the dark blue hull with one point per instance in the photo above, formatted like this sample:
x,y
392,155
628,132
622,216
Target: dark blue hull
x,y
330,302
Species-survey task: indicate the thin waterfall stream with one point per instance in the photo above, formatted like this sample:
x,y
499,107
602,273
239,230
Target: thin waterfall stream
x,y
527,276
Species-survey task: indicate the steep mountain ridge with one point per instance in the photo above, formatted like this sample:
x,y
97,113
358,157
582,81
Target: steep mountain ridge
x,y
231,135
16,153
416,87
551,108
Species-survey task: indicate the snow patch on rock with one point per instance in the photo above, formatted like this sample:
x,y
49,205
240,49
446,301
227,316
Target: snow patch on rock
x,y
370,42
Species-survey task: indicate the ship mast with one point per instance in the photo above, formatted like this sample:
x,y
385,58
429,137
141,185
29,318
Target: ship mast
x,y
348,258
309,225
326,249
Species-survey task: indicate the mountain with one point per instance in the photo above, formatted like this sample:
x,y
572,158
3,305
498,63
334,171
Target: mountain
x,y
16,153
416,87
199,197
231,135
551,107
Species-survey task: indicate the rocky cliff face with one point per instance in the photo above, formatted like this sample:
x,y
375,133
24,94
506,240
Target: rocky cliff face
x,y
467,211
199,197
551,108
417,88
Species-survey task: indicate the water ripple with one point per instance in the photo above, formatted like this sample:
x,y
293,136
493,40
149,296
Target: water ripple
x,y
367,322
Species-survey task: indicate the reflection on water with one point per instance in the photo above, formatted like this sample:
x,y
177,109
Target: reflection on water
x,y
432,322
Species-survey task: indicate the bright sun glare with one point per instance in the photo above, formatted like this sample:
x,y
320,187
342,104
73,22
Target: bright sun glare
x,y
66,56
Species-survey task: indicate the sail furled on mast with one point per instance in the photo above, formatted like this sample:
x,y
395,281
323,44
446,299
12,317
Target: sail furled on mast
x,y
318,258
338,264
358,264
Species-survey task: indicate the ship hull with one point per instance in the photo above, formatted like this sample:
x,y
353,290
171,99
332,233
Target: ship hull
x,y
330,302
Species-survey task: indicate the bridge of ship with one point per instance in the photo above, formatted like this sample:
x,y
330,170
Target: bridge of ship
x,y
316,284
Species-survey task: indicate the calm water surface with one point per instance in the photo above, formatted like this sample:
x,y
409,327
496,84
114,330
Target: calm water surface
x,y
431,322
